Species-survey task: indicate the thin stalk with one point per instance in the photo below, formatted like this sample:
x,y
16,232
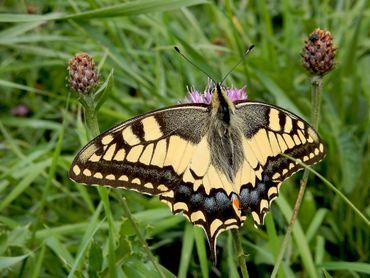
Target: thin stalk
x,y
316,100
240,253
93,130
138,233
338,192
316,83
90,116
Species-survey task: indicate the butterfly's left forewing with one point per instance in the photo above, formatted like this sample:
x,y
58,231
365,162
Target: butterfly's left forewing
x,y
148,153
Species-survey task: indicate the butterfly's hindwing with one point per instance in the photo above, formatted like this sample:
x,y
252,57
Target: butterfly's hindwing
x,y
206,196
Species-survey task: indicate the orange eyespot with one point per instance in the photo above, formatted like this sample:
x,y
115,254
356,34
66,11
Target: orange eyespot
x,y
236,203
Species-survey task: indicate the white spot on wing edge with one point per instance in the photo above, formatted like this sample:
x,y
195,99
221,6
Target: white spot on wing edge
x,y
272,191
169,194
230,221
214,226
300,124
123,178
264,205
256,218
149,185
180,206
76,170
87,172
198,215
162,187
136,181
110,177
321,147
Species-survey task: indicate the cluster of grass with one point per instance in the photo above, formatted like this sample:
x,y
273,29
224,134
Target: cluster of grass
x,y
52,227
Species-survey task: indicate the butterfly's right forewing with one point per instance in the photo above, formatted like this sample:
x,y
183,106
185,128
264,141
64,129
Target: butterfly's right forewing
x,y
270,134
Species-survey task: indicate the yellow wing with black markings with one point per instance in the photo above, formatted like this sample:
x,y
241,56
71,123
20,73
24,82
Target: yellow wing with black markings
x,y
215,163
148,153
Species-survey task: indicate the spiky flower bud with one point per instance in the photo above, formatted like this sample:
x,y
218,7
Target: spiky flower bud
x,y
82,73
319,52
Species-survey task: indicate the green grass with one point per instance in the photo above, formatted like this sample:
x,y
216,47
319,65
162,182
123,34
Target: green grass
x,y
52,227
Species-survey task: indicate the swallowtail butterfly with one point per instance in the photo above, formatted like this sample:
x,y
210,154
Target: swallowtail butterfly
x,y
214,162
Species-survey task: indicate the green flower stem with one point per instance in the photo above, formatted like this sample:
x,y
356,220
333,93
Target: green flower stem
x,y
138,233
316,100
90,116
240,253
93,130
316,83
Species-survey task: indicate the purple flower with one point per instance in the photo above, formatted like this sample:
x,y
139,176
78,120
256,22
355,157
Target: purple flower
x,y
19,110
206,97
237,94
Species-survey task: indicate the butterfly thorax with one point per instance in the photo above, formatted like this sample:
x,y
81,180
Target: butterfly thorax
x,y
224,135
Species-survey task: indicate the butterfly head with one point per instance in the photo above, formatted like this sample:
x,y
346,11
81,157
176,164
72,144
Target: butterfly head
x,y
220,101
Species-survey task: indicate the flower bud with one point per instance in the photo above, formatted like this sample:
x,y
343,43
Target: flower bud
x,y
319,52
82,73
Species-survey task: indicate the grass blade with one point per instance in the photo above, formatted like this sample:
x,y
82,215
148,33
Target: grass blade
x,y
186,251
6,262
201,251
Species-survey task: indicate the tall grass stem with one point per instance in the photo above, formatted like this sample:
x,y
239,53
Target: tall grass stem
x,y
316,85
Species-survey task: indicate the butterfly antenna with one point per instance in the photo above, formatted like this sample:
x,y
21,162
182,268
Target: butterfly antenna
x,y
237,64
192,63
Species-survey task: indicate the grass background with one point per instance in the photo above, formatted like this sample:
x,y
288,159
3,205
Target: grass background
x,y
52,227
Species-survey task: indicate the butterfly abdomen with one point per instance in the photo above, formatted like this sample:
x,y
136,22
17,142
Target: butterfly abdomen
x,y
226,150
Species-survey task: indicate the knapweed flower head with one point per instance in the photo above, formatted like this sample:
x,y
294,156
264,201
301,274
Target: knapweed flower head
x,y
319,52
233,94
82,73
